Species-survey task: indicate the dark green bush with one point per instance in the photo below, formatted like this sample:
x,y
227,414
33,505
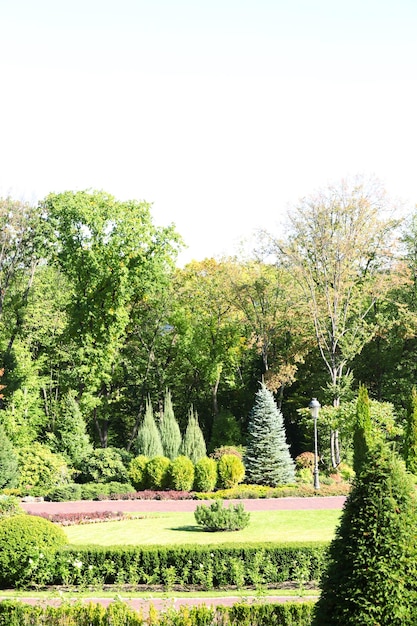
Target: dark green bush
x,y
231,471
205,474
65,493
27,549
104,465
181,474
116,489
157,472
217,517
94,491
137,471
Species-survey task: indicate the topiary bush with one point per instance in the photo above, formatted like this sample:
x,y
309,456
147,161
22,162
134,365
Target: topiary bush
x,y
217,517
205,474
27,549
157,472
137,471
181,474
231,471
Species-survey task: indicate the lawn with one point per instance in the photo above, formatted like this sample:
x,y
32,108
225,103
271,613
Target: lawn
x,y
181,528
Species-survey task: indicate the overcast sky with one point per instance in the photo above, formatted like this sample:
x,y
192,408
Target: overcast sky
x,y
219,112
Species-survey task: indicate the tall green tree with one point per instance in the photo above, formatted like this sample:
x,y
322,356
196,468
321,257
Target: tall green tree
x,y
169,429
9,465
111,254
362,433
371,576
267,458
148,442
193,445
410,440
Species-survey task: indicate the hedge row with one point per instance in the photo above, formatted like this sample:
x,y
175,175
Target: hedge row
x,y
119,614
207,567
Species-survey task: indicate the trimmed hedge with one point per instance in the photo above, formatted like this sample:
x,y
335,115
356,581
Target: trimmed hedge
x,y
205,567
14,613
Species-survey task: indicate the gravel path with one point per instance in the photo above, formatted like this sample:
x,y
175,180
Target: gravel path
x,y
168,506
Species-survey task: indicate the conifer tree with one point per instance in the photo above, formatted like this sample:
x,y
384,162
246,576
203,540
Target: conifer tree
x,y
410,443
148,442
193,445
70,437
169,430
362,436
267,459
9,471
371,576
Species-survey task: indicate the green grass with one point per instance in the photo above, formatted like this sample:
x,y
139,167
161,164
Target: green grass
x,y
181,528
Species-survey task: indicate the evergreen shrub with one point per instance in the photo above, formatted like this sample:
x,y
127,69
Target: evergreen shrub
x,y
104,465
137,471
9,465
205,474
230,470
94,491
181,474
41,469
27,549
117,490
9,505
65,493
217,517
157,472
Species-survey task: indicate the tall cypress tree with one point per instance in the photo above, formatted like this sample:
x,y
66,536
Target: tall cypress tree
x,y
193,445
410,443
169,430
267,458
9,470
371,576
362,436
148,442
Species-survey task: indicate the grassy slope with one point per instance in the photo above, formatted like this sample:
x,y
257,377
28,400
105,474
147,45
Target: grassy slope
x,y
180,528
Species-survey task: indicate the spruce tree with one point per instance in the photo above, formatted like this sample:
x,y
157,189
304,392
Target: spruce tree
x,y
371,576
410,443
362,436
193,445
169,430
9,470
148,441
70,437
267,458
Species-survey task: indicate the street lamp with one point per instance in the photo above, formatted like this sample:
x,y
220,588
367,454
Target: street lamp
x,y
314,407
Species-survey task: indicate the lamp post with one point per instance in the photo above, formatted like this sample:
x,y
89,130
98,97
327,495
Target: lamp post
x,y
314,407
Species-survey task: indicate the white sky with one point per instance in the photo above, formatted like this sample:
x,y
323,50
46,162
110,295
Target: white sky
x,y
219,112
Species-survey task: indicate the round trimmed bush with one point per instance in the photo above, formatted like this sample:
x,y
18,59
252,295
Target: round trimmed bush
x,y
231,471
181,474
157,472
27,549
205,474
137,471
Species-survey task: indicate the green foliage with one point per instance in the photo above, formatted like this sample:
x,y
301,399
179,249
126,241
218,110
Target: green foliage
x,y
371,576
41,469
410,442
226,430
158,472
217,517
27,549
65,493
9,469
95,491
169,430
148,441
193,444
230,470
70,436
137,471
205,474
9,505
362,435
267,458
104,465
181,474
222,450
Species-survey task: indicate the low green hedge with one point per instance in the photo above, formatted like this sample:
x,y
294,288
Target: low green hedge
x,y
119,614
205,567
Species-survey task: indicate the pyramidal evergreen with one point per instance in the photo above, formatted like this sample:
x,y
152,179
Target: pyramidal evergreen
x,y
371,576
193,445
267,458
148,442
169,430
362,435
9,470
410,443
